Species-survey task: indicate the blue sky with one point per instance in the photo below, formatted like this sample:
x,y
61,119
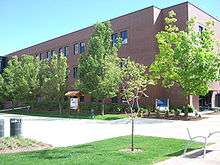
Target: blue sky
x,y
27,22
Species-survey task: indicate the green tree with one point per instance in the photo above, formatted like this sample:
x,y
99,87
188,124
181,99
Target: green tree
x,y
53,79
1,88
186,58
133,87
99,70
20,80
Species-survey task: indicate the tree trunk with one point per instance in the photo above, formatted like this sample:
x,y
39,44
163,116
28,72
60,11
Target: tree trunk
x,y
103,107
12,104
132,133
60,107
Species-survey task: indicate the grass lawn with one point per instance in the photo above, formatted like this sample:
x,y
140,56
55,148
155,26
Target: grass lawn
x,y
106,152
73,116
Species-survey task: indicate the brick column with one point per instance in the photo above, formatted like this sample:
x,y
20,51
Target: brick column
x,y
214,93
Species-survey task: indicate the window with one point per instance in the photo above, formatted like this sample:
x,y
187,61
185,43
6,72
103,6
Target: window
x,y
115,99
49,55
52,53
64,51
123,63
114,38
82,99
82,47
124,37
201,29
76,49
39,56
75,74
93,99
61,51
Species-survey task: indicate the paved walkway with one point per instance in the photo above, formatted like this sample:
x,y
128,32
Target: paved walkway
x,y
212,157
66,132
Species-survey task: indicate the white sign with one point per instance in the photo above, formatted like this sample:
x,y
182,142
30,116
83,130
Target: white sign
x,y
74,103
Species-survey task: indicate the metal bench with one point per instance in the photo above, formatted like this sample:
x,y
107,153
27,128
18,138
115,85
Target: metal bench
x,y
197,137
192,141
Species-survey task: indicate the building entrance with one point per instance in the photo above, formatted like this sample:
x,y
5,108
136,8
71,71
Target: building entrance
x,y
205,102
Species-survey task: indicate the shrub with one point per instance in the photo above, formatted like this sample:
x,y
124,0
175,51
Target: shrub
x,y
176,111
48,105
187,109
111,108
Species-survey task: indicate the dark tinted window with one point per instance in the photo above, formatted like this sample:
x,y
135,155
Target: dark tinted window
x,y
124,37
82,46
75,72
76,49
114,38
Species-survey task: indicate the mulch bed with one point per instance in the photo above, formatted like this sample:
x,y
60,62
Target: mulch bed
x,y
128,150
35,147
172,117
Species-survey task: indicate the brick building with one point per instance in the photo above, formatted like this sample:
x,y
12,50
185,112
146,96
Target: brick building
x,y
137,30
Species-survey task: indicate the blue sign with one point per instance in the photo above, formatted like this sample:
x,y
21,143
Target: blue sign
x,y
162,104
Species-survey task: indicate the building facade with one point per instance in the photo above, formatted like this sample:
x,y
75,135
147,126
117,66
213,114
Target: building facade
x,y
137,30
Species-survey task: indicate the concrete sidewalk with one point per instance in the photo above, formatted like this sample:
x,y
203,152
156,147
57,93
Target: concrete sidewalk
x,y
212,157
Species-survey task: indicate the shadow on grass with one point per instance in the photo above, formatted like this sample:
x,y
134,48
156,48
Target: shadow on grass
x,y
180,152
60,153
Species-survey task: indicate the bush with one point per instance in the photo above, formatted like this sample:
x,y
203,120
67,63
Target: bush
x,y
176,111
111,108
48,105
187,109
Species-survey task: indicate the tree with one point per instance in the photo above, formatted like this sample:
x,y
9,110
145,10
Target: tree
x,y
99,70
186,58
133,87
21,80
53,79
1,88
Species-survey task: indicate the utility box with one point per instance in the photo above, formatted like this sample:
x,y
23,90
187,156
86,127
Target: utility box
x,y
15,127
2,128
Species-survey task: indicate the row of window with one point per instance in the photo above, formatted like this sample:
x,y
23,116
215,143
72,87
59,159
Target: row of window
x,y
123,63
79,48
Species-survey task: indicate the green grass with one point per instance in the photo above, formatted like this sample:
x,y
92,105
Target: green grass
x,y
15,142
72,116
106,152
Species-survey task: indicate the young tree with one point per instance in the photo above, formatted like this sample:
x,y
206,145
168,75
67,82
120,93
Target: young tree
x,y
133,87
20,80
186,58
99,70
53,79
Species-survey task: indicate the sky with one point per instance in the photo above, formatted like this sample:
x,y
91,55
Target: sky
x,y
24,23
